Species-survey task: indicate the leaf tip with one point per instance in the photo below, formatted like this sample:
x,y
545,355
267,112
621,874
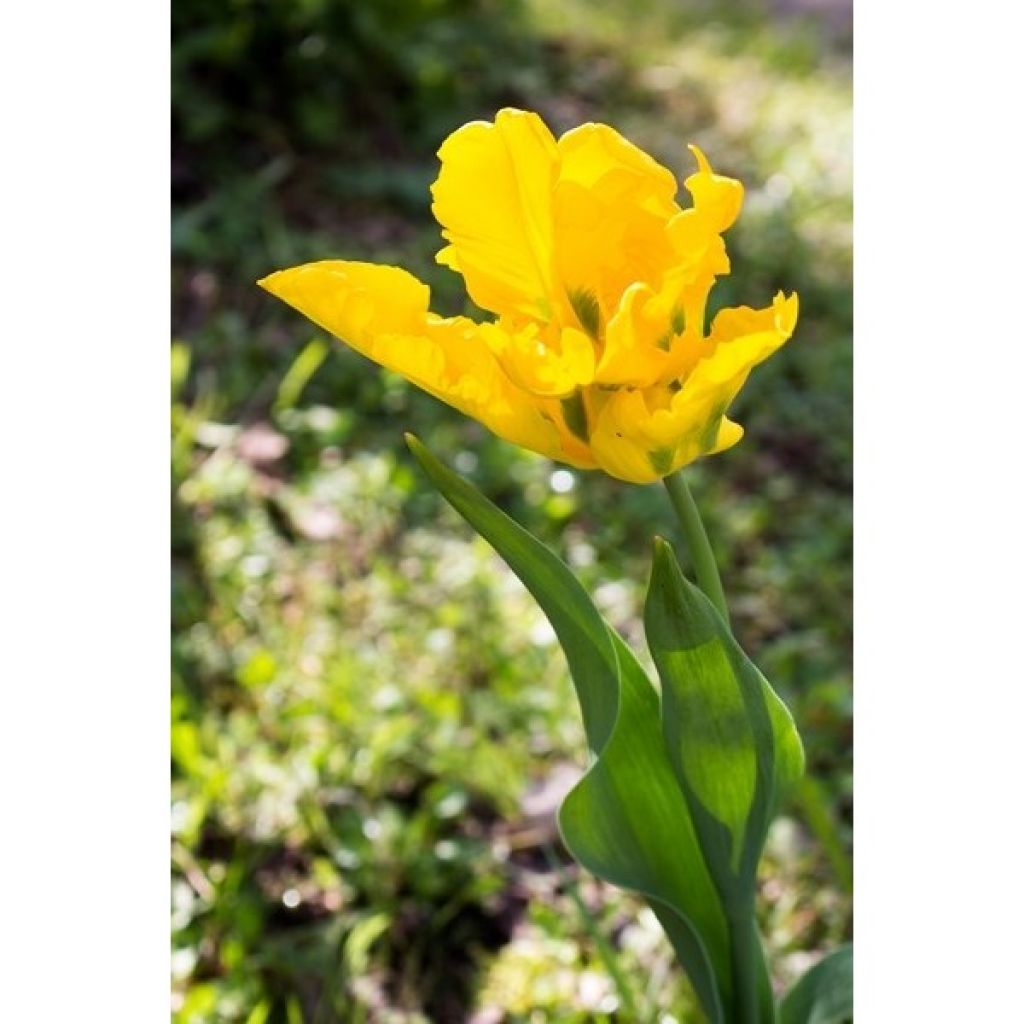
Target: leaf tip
x,y
664,556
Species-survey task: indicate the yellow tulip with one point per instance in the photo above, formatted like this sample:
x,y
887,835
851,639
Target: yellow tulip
x,y
598,355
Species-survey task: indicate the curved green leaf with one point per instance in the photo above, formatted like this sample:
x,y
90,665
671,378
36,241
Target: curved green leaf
x,y
627,820
731,741
824,995
731,744
581,631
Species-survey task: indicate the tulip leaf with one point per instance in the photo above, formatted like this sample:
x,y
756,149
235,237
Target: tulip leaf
x,y
627,820
581,631
730,740
824,995
732,746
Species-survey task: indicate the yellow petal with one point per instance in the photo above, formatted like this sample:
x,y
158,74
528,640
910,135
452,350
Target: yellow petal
x,y
449,258
383,313
600,160
344,298
637,437
548,362
641,436
715,195
729,433
493,200
637,342
612,205
618,441
742,338
695,235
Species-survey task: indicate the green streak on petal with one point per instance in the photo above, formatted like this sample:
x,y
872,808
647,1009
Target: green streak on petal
x,y
709,432
575,413
678,320
588,312
661,460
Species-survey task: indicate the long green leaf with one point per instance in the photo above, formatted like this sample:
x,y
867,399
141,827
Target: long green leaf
x,y
824,995
732,746
730,739
627,820
581,631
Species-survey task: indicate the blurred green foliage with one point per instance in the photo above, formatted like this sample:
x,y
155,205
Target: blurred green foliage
x,y
360,79
371,720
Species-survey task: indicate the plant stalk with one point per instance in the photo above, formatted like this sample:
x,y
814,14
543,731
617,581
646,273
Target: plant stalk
x,y
743,952
697,542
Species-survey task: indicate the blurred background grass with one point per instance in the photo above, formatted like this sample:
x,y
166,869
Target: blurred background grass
x,y
372,724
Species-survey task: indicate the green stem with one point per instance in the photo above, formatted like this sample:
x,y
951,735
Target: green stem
x,y
697,542
743,953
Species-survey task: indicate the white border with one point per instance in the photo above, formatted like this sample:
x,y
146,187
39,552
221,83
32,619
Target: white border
x,y
84,100
938,511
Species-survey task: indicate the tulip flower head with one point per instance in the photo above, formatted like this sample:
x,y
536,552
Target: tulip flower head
x,y
598,281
